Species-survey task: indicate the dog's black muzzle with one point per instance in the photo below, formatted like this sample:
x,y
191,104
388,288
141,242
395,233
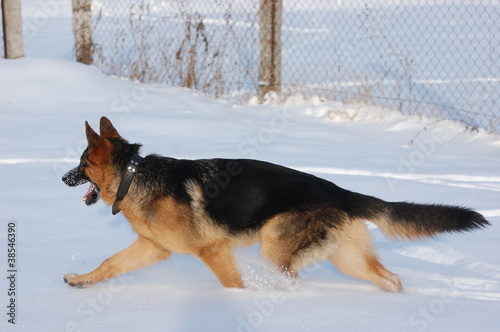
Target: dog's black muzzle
x,y
76,177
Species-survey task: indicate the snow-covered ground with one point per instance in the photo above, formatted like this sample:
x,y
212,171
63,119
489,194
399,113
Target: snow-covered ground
x,y
452,282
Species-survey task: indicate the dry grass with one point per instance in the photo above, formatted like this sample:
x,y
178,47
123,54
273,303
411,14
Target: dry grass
x,y
181,47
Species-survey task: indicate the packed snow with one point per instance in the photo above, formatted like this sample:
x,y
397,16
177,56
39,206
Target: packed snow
x,y
452,282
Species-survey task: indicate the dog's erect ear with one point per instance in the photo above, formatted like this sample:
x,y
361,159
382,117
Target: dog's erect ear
x,y
92,138
107,129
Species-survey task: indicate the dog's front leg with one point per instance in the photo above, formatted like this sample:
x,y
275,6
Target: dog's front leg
x,y
140,254
219,259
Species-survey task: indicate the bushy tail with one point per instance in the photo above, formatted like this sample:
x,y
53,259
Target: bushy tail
x,y
402,220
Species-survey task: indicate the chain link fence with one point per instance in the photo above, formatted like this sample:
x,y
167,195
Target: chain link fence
x,y
211,46
437,58
432,58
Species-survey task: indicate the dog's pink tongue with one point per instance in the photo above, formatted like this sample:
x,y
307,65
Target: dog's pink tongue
x,y
91,189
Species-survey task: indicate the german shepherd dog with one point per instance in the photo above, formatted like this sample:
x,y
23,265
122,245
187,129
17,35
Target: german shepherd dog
x,y
207,207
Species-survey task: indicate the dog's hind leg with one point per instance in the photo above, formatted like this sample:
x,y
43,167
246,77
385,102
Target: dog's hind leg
x,y
140,254
355,257
218,258
277,253
291,241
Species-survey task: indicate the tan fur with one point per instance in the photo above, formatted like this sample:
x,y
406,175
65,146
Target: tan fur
x,y
206,228
217,256
280,242
140,254
356,257
169,230
398,231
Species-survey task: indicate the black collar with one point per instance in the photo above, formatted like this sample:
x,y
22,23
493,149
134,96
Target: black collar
x,y
127,178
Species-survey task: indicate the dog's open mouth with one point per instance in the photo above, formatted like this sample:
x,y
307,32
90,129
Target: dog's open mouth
x,y
92,195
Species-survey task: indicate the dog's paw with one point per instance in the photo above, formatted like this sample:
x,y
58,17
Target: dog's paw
x,y
74,280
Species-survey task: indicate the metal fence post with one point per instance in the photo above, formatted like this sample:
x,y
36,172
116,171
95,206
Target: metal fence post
x,y
12,29
82,29
270,19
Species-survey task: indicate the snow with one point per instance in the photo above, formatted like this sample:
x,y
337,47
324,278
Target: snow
x,y
452,282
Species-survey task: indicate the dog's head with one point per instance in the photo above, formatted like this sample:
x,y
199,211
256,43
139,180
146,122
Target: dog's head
x,y
95,163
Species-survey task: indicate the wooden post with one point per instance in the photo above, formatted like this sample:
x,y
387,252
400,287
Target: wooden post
x,y
82,29
270,18
12,29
